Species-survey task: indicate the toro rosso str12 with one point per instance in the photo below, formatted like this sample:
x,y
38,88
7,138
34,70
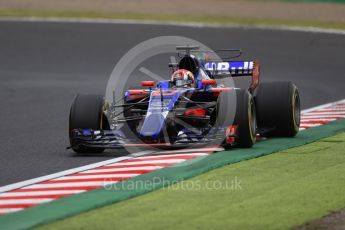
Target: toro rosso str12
x,y
191,107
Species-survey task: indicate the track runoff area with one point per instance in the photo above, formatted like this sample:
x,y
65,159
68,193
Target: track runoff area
x,y
26,194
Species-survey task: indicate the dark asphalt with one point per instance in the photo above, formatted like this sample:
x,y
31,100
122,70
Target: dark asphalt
x,y
43,66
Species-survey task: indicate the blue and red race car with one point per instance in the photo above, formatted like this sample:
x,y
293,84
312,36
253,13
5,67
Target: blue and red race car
x,y
191,108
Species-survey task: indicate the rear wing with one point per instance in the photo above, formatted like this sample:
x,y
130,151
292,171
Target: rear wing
x,y
235,69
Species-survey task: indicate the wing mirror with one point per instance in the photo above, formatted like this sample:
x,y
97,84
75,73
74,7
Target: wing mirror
x,y
148,83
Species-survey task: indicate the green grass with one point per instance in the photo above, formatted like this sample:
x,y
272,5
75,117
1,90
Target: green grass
x,y
277,191
177,18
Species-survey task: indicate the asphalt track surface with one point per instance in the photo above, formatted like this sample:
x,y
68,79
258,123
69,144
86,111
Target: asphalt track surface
x,y
44,64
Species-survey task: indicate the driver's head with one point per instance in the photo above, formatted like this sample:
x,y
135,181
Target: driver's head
x,y
182,77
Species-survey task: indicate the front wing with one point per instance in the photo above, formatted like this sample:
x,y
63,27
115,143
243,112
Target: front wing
x,y
114,139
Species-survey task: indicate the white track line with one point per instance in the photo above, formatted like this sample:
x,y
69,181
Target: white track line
x,y
132,168
174,23
139,162
309,125
191,150
322,106
73,184
330,110
25,201
8,210
41,193
321,117
317,119
320,114
196,154
96,176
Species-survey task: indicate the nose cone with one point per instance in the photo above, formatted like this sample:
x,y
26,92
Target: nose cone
x,y
153,125
161,103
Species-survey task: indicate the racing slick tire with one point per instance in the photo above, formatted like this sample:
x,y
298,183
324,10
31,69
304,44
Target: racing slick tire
x,y
86,113
278,109
244,117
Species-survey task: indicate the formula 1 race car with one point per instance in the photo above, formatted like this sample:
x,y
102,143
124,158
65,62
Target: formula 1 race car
x,y
189,109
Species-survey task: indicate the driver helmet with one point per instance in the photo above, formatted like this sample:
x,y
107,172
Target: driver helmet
x,y
182,78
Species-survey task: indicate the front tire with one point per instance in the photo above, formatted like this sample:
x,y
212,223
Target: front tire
x,y
244,117
86,113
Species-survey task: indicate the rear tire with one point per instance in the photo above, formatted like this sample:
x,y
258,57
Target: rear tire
x,y
244,116
86,113
278,109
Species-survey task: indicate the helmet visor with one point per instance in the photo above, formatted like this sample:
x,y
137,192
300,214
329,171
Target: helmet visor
x,y
180,83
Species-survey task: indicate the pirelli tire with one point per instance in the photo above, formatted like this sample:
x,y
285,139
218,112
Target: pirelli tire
x,y
244,117
86,113
278,109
